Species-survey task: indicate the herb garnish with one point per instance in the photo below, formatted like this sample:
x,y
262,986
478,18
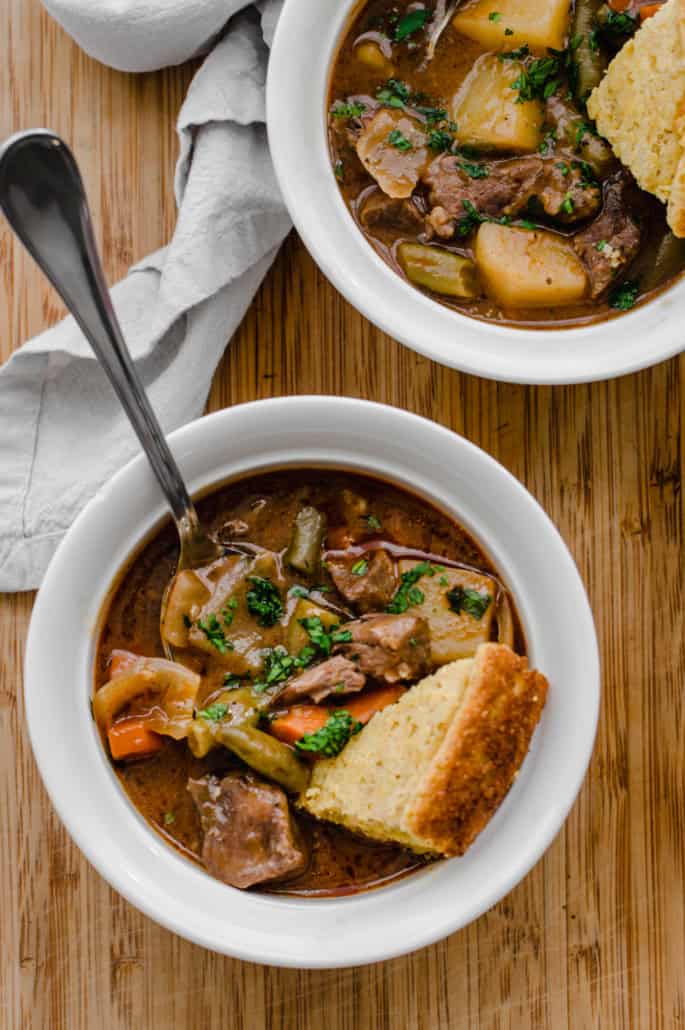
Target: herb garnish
x,y
470,601
474,171
323,638
439,140
214,633
617,26
494,16
214,713
407,593
229,610
397,139
339,170
623,297
372,521
344,110
395,93
231,680
333,735
360,568
567,205
169,818
264,601
411,23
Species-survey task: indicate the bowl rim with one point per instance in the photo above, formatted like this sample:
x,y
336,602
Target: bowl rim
x,y
306,37
77,787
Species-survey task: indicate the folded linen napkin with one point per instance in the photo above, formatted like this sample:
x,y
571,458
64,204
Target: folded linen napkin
x,y
62,431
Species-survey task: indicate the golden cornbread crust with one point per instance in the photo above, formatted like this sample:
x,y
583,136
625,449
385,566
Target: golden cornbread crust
x,y
639,107
481,753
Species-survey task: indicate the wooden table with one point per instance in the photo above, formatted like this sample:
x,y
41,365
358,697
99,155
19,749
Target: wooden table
x,y
594,936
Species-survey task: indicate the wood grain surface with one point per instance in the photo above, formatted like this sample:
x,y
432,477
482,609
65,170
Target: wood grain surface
x,y
595,935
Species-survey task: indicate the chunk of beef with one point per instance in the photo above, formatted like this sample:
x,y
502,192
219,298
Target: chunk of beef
x,y
371,590
389,647
379,211
612,240
557,187
249,834
337,675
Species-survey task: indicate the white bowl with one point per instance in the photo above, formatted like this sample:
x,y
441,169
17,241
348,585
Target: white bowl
x,y
289,931
305,43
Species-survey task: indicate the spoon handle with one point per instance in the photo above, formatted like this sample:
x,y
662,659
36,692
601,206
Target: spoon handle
x,y
43,198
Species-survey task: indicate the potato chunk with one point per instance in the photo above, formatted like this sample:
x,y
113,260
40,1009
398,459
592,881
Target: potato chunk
x,y
521,268
393,150
439,270
539,23
486,111
455,634
373,57
297,636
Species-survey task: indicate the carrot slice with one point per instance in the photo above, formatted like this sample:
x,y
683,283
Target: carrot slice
x,y
130,738
121,662
301,719
648,10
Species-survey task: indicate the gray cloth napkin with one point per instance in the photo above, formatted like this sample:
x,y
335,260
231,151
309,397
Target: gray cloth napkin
x,y
62,432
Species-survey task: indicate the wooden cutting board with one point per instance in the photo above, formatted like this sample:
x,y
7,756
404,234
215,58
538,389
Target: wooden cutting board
x,y
594,936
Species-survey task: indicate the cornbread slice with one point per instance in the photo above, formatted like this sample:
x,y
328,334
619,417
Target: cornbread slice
x,y
639,107
430,770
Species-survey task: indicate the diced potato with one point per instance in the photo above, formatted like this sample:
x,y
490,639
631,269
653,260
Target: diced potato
x,y
486,111
523,268
186,597
539,23
439,270
453,634
393,150
373,57
296,635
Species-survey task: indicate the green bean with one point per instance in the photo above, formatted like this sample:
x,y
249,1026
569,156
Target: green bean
x,y
304,550
668,262
265,755
237,707
590,61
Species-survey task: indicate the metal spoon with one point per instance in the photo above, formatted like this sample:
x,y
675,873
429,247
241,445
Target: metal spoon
x,y
42,196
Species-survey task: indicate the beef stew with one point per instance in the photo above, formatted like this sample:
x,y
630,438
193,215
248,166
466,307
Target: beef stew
x,y
460,139
336,594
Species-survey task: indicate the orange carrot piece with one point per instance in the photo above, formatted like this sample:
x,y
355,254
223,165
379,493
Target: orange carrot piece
x,y
130,738
648,10
121,662
619,5
301,719
367,704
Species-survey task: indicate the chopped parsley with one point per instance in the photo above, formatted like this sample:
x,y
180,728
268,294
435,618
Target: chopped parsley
x,y
508,32
344,110
373,522
395,93
298,591
563,168
408,594
623,297
214,633
360,568
323,638
519,54
474,171
433,115
439,140
494,16
333,735
169,818
443,581
278,665
264,601
411,23
214,713
397,139
584,129
229,610
538,80
567,205
231,680
463,599
601,245
339,170
617,27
